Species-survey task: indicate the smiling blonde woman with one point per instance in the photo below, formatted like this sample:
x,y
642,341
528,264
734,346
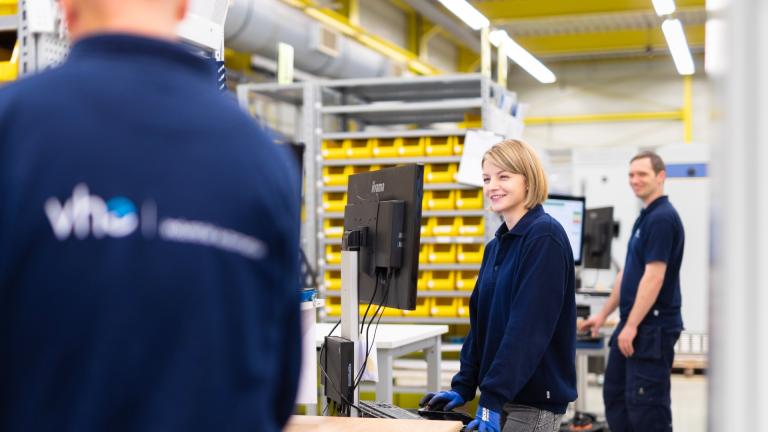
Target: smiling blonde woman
x,y
520,350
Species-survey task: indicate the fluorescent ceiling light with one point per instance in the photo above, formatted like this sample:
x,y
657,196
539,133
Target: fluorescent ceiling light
x,y
467,13
664,7
522,57
673,32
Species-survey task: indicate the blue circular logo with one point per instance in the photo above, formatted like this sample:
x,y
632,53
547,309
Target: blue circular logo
x,y
121,207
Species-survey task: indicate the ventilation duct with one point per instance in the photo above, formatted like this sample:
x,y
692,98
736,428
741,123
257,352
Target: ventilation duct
x,y
256,26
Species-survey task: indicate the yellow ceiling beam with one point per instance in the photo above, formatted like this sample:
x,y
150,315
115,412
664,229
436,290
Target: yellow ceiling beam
x,y
9,7
468,61
517,9
351,10
384,47
606,42
607,117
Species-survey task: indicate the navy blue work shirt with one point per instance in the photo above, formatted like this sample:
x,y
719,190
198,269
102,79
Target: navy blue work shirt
x,y
149,236
657,236
521,343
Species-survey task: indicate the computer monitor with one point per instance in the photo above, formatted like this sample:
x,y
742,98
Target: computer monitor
x,y
598,235
383,212
569,211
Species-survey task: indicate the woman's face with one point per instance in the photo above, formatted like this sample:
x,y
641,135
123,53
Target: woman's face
x,y
504,190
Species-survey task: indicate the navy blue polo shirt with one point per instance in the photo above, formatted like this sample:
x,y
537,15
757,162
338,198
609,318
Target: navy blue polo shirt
x,y
521,343
657,236
149,236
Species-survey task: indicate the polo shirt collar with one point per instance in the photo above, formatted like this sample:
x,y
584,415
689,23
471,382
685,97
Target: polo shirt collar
x,y
522,225
656,203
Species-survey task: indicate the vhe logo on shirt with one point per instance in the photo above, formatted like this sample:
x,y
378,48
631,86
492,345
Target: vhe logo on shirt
x,y
637,233
86,214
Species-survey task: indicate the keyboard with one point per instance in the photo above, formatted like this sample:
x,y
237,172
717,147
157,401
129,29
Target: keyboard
x,y
386,410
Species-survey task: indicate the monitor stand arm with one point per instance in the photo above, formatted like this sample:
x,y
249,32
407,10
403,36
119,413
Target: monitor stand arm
x,y
350,313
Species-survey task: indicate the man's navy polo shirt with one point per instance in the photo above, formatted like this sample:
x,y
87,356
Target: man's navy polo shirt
x,y
657,236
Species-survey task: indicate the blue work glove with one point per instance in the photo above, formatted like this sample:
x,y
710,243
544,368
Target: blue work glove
x,y
442,401
485,421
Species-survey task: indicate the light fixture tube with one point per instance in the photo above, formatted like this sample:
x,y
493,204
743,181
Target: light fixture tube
x,y
673,32
467,13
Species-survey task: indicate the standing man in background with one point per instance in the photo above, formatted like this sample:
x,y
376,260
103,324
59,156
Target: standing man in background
x,y
637,378
149,237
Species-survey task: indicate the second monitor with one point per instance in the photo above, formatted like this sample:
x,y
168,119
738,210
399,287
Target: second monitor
x,y
383,215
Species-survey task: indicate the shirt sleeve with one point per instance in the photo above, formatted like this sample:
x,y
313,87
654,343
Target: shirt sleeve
x,y
533,316
659,241
465,381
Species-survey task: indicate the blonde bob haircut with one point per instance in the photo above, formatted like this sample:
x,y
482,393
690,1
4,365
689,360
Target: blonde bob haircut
x,y
519,157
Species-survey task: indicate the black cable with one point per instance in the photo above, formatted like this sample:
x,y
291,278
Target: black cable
x,y
375,331
369,347
375,288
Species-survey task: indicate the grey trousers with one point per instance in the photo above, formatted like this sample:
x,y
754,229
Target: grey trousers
x,y
522,418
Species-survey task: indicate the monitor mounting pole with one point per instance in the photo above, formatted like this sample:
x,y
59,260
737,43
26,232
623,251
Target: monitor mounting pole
x,y
350,311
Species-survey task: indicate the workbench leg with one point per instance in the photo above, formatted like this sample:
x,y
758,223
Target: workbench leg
x,y
434,369
384,386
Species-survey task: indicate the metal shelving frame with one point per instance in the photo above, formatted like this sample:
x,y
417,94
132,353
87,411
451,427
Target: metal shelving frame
x,y
403,108
304,96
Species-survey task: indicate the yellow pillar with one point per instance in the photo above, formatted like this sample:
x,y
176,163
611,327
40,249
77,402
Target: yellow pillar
x,y
687,109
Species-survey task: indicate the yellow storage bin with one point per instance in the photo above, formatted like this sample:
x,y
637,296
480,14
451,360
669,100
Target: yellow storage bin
x,y
440,173
333,228
334,149
335,175
421,283
439,146
333,306
332,280
462,309
357,169
388,311
445,226
466,279
334,201
458,145
384,147
444,307
359,148
422,308
471,226
441,280
410,147
424,250
425,200
441,200
426,226
470,254
333,254
442,253
469,199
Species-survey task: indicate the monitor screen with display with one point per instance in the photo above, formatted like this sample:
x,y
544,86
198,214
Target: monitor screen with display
x,y
569,211
598,236
383,216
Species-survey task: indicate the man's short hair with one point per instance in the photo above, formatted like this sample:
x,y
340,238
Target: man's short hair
x,y
656,162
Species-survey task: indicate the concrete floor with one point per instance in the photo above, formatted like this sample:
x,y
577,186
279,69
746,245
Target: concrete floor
x,y
689,402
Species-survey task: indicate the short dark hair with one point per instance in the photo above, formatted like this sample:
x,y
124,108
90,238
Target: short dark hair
x,y
656,162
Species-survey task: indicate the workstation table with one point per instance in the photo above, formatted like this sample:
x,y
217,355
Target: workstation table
x,y
358,424
396,340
